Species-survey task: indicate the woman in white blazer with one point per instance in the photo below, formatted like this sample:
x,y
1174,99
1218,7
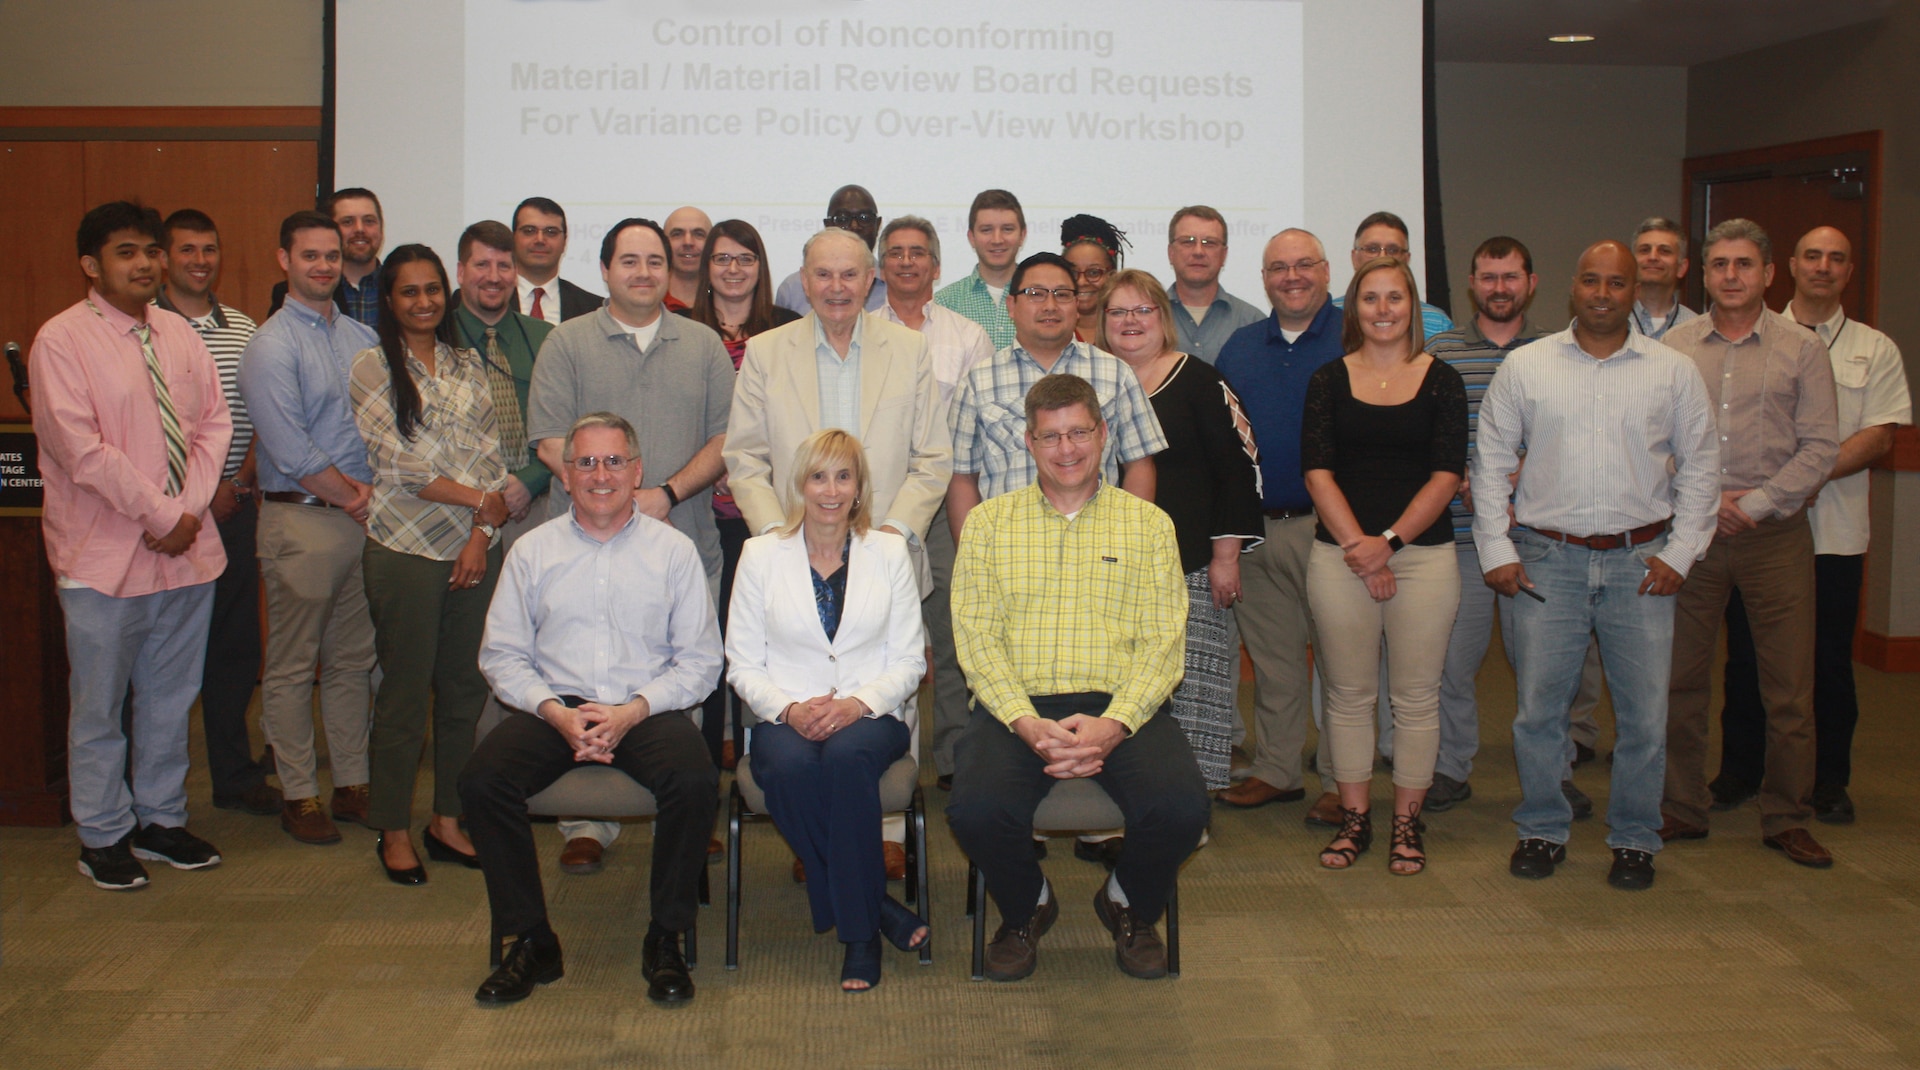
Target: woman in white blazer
x,y
825,646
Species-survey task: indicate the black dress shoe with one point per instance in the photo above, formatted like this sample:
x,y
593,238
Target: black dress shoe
x,y
1729,792
665,968
1632,869
1535,858
526,965
413,875
441,851
1832,806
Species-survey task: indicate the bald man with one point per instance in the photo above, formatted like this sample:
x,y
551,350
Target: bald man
x,y
686,229
1870,385
1616,501
851,209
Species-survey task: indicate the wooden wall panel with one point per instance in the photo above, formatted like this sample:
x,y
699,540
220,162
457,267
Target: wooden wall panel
x,y
40,275
248,187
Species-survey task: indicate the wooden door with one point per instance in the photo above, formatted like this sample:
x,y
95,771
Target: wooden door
x,y
1789,190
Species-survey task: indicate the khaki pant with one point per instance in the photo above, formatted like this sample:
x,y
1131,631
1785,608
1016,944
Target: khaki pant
x,y
1277,627
1772,566
316,616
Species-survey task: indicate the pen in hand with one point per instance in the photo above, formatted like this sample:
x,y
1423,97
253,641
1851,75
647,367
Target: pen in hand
x,y
1531,593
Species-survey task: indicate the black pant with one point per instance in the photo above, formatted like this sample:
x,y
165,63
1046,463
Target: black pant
x,y
232,667
523,755
998,782
713,712
1836,709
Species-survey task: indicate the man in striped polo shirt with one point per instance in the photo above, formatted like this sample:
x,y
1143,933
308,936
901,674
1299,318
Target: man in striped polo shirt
x,y
233,637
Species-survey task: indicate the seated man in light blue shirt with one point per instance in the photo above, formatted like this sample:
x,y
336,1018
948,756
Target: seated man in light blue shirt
x,y
602,629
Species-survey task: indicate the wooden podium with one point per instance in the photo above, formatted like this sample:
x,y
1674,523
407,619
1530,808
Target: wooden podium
x,y
33,649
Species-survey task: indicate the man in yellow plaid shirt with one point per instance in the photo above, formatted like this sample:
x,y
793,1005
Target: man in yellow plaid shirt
x,y
1069,616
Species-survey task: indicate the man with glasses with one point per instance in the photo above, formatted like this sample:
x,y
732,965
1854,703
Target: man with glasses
x,y
687,228
1069,610
1385,234
990,454
539,245
602,630
852,209
910,263
667,375
1268,365
1205,314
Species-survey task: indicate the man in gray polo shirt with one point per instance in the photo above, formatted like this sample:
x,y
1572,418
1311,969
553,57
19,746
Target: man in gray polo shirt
x,y
667,375
1205,314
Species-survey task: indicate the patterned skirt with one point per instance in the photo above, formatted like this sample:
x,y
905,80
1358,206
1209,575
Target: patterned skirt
x,y
1204,702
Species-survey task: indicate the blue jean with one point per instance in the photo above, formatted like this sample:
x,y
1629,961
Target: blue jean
x,y
825,798
156,643
1591,592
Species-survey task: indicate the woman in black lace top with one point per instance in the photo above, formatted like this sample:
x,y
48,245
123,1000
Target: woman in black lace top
x,y
1383,447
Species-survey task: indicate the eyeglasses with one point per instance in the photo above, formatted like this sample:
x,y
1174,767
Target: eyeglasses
x,y
1079,436
1039,294
1138,311
1376,249
528,230
745,260
1094,275
613,462
909,254
1300,267
1188,241
841,219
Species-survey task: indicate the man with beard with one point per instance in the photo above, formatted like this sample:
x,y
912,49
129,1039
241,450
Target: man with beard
x,y
851,208
357,213
507,340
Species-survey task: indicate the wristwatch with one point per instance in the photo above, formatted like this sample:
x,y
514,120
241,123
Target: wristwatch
x,y
1394,542
486,529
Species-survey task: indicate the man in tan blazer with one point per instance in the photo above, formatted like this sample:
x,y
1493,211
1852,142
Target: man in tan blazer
x,y
839,367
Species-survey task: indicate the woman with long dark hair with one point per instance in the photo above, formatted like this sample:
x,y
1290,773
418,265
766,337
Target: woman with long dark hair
x,y
432,553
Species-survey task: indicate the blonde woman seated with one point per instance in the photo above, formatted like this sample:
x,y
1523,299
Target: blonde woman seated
x,y
824,644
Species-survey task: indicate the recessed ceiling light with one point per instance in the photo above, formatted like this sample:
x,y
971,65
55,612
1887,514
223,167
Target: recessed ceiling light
x,y
1570,38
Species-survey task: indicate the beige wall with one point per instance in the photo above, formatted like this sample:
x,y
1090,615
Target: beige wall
x,y
186,53
1558,156
1858,78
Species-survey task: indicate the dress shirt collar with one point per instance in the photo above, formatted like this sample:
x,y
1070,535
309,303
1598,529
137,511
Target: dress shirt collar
x,y
1828,330
926,312
300,311
1093,504
579,529
821,345
1761,335
1074,348
114,318
1634,346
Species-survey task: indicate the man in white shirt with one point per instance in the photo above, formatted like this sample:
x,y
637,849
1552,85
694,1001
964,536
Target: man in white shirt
x,y
1660,255
1610,522
910,264
602,629
1870,385
539,246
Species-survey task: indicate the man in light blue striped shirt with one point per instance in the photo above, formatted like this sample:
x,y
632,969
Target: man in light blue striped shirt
x,y
1618,497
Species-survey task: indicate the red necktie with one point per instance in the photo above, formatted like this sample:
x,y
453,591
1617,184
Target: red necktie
x,y
538,292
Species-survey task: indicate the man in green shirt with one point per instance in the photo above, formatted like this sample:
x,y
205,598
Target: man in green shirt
x,y
996,228
485,322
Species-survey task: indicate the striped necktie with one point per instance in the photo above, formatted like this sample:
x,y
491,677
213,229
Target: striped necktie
x,y
169,419
506,404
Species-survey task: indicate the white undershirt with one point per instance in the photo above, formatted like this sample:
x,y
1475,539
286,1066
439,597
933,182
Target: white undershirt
x,y
1199,313
1291,336
642,336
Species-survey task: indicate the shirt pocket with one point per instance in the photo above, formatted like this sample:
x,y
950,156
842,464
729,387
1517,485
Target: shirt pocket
x,y
1004,429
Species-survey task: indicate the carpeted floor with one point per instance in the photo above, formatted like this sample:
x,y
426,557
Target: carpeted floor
x,y
295,956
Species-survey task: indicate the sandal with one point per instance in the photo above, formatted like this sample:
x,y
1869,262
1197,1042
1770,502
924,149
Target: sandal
x,y
1408,855
862,964
901,925
1356,828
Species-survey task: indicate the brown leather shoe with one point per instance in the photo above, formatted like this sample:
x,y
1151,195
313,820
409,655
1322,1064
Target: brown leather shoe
x,y
305,821
1253,792
350,804
1015,951
1136,948
1800,846
1672,828
896,856
581,856
715,849
1326,811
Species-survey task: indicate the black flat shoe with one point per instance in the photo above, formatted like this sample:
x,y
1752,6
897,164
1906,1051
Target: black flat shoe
x,y
665,968
413,876
898,924
441,851
861,964
525,966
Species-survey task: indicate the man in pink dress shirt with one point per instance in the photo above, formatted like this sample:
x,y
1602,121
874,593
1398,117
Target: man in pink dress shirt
x,y
133,430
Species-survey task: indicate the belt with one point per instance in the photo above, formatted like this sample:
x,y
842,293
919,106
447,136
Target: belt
x,y
1285,514
294,497
1644,534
